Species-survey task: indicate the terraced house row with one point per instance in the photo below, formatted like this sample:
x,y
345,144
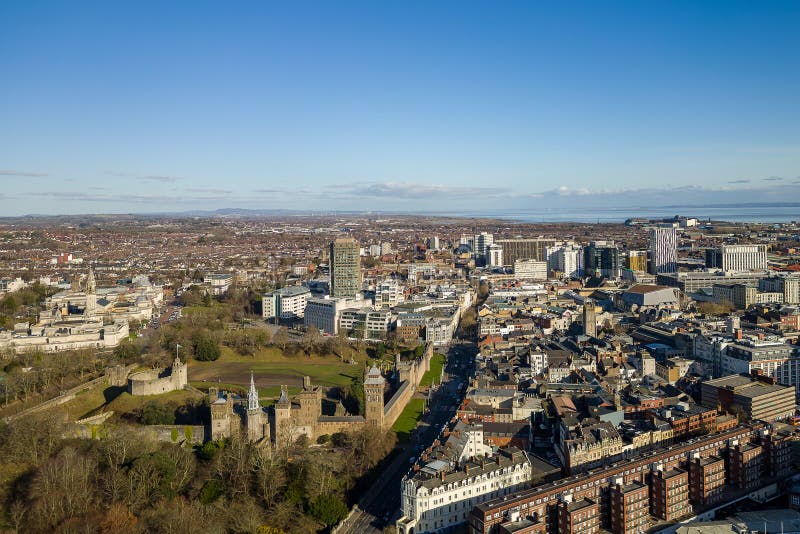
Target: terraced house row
x,y
626,496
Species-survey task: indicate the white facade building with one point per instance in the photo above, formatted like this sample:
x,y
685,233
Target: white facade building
x,y
482,242
286,303
743,257
388,293
494,256
530,270
663,250
462,474
323,313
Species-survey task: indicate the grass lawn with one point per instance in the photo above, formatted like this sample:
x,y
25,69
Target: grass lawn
x,y
272,368
268,395
408,419
118,400
437,362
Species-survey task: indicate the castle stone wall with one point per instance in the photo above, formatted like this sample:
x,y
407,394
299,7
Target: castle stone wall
x,y
157,381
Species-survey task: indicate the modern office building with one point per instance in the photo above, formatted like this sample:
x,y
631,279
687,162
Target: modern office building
x,y
345,267
524,249
530,270
388,293
692,281
601,258
788,285
494,255
285,303
663,250
566,259
751,398
482,242
637,260
323,313
738,258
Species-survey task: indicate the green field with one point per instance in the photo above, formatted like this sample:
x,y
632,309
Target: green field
x,y
408,419
437,362
273,369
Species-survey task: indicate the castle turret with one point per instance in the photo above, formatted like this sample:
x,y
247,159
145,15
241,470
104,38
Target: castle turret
x,y
374,384
255,415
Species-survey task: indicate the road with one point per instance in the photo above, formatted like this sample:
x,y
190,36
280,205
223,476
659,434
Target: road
x,y
380,504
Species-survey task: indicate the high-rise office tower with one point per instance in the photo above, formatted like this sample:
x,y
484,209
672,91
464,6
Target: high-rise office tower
x,y
738,258
663,250
345,267
637,260
525,248
494,256
601,258
482,242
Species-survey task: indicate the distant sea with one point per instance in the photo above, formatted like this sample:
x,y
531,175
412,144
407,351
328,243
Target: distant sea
x,y
762,214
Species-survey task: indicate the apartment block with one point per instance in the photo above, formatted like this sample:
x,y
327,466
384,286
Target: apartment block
x,y
670,494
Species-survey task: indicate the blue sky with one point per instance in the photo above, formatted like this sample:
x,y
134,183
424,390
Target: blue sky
x,y
148,106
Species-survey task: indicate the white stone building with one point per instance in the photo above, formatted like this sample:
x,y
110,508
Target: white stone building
x,y
463,473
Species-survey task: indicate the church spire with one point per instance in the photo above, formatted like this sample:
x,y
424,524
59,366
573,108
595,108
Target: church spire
x,y
252,395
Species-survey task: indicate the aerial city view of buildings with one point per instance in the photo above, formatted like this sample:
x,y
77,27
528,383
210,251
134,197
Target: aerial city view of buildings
x,y
636,378
397,267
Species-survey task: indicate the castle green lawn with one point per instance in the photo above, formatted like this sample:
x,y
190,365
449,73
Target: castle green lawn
x,y
437,362
268,395
272,368
408,419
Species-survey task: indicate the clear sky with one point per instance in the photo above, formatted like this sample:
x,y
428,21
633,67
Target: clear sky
x,y
145,106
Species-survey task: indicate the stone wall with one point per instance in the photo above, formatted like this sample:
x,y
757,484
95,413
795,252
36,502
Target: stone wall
x,y
64,397
157,381
179,434
404,394
397,404
332,425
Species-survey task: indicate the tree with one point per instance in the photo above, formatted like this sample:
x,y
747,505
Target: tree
x,y
310,339
127,351
280,338
206,349
155,413
328,509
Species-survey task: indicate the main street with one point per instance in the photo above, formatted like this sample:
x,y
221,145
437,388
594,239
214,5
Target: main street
x,y
380,504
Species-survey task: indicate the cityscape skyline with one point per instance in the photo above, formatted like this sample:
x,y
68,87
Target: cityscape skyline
x,y
110,109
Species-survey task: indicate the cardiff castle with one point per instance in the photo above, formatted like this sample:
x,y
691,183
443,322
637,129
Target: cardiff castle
x,y
302,415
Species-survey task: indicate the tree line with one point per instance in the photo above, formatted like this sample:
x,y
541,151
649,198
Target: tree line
x,y
125,483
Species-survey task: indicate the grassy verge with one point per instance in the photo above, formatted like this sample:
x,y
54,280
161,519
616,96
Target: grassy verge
x,y
437,362
408,419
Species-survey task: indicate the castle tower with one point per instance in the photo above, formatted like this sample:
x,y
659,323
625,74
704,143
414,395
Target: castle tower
x,y
589,319
221,411
91,294
310,401
283,415
255,415
373,394
179,373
